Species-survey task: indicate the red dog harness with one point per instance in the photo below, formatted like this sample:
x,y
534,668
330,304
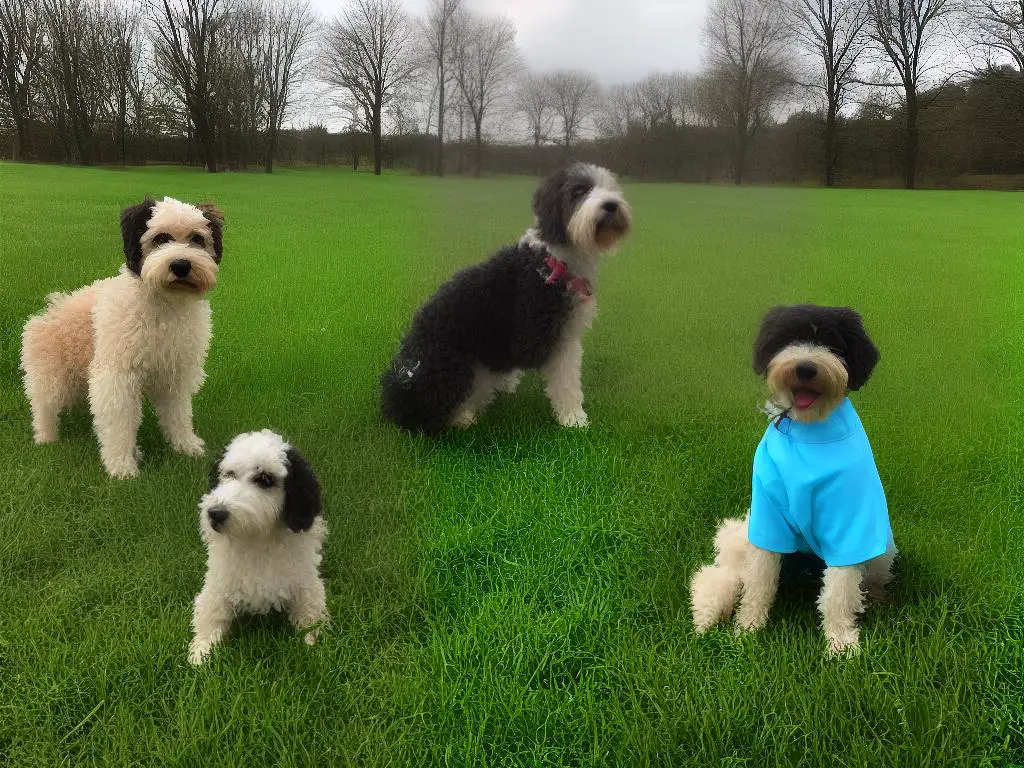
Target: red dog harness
x,y
573,284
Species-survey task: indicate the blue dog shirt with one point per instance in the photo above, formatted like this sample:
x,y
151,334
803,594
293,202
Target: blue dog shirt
x,y
816,489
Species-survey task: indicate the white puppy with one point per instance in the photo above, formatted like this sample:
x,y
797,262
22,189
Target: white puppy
x,y
262,527
144,332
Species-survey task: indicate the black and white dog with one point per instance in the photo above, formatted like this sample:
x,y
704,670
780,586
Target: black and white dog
x,y
263,529
527,307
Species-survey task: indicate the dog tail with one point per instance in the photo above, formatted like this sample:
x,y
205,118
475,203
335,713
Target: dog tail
x,y
421,389
56,298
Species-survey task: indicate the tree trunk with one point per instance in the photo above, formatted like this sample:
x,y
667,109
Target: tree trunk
x,y
378,142
440,123
19,138
268,163
479,150
460,169
740,161
273,127
830,146
910,179
207,141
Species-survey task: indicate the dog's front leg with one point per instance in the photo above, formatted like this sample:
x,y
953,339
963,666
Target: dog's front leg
x,y
760,583
309,607
115,399
173,406
564,387
210,622
841,601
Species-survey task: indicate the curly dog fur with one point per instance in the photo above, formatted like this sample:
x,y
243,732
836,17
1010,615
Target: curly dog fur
x,y
811,358
527,307
144,332
263,529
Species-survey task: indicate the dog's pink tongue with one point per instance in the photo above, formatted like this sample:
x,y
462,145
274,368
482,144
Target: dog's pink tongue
x,y
804,398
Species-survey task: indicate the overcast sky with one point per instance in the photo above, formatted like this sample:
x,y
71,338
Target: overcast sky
x,y
618,40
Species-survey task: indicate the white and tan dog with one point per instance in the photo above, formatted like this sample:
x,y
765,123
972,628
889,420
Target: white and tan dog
x,y
263,529
145,332
815,487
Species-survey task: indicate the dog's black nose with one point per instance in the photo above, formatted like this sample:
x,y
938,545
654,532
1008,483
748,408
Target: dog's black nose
x,y
181,267
610,206
218,516
806,371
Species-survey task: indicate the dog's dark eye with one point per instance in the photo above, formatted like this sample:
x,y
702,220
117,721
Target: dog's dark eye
x,y
264,480
162,239
579,191
199,240
229,475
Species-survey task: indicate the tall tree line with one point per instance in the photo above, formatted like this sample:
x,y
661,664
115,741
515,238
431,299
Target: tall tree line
x,y
841,91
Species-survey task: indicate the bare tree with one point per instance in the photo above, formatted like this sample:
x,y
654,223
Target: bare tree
x,y
747,49
833,32
1000,27
533,101
124,65
21,49
290,25
187,36
436,30
617,115
75,75
906,31
573,95
240,82
683,88
367,56
485,58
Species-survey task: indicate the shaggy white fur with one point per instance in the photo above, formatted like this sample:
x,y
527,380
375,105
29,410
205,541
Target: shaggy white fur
x,y
260,559
563,372
138,334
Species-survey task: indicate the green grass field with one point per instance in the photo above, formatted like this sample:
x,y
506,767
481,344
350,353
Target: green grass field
x,y
518,594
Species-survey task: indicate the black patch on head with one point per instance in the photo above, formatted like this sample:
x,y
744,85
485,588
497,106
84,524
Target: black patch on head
x,y
301,493
134,221
215,471
840,329
556,200
216,219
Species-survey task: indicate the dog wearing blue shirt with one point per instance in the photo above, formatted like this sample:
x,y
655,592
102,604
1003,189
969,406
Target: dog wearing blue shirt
x,y
815,487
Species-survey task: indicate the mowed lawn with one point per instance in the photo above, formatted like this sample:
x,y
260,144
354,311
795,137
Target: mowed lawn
x,y
518,594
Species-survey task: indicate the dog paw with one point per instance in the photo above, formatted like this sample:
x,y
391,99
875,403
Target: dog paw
x,y
44,438
193,446
123,469
577,418
749,623
700,626
311,636
843,646
510,382
464,420
197,654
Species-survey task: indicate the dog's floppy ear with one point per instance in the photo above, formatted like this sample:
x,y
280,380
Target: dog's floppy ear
x,y
547,208
770,339
216,219
859,351
215,470
301,493
134,220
